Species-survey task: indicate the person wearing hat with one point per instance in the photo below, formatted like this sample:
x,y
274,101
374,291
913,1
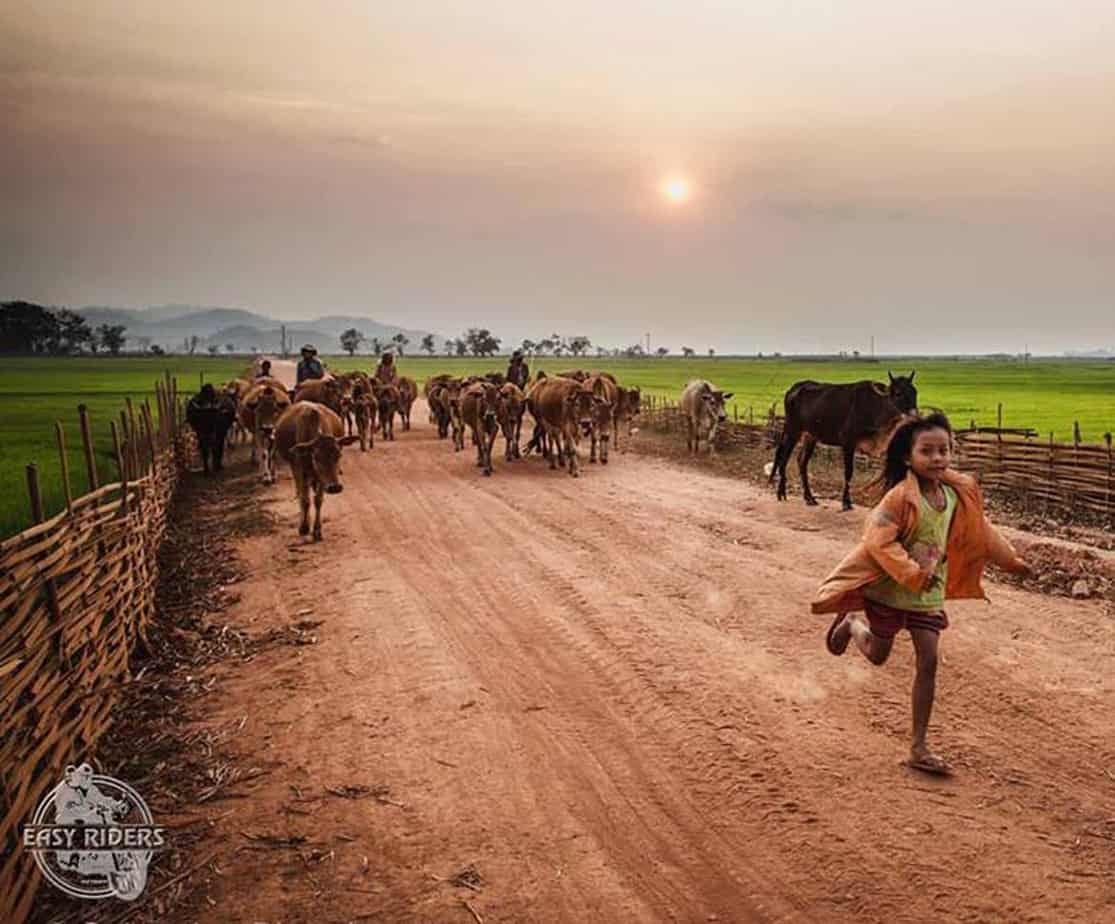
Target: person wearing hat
x,y
518,372
386,371
264,370
310,366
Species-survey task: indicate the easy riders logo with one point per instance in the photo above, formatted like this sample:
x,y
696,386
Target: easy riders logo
x,y
93,836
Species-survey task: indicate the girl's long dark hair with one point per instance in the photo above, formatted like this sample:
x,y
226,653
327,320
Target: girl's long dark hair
x,y
902,444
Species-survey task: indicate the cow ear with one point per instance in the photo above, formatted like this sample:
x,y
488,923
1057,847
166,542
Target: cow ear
x,y
728,394
912,371
890,375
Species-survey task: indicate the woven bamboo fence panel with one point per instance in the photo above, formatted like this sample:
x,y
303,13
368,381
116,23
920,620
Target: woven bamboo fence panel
x,y
1073,475
76,593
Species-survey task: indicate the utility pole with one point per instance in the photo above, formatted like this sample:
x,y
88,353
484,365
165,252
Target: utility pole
x,y
872,346
648,341
282,334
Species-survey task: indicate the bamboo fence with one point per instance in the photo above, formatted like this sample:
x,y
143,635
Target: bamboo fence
x,y
1076,475
77,592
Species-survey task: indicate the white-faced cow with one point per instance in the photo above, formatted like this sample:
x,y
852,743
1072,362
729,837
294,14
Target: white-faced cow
x,y
310,436
259,412
603,385
702,406
859,416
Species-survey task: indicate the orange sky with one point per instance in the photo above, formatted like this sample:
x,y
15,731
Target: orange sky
x,y
448,164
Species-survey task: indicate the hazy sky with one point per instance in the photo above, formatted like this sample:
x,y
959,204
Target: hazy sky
x,y
940,174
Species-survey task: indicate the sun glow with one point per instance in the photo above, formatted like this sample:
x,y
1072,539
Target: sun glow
x,y
676,189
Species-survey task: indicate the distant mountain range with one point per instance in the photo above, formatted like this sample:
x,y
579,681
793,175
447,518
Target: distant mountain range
x,y
170,326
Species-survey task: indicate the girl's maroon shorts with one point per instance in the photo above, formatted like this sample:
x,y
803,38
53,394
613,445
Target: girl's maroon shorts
x,y
886,621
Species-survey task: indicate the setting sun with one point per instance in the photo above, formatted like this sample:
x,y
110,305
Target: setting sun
x,y
676,189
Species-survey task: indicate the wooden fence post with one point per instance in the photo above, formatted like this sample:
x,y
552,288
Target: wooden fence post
x,y
61,435
1107,492
121,465
87,447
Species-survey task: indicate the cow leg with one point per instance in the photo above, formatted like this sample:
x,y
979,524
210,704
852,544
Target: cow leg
x,y
689,435
571,451
782,457
319,496
302,489
808,444
604,449
592,445
711,440
479,444
219,451
203,450
849,466
489,444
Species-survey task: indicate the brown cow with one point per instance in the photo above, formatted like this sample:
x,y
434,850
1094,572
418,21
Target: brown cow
x,y
387,402
563,407
258,413
362,407
512,403
627,408
480,413
408,394
603,415
577,375
327,391
309,437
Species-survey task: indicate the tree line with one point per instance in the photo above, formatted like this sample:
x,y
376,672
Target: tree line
x,y
29,328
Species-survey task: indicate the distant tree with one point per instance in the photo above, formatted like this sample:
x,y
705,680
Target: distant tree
x,y
528,347
711,352
687,351
111,337
450,346
191,343
480,342
377,346
255,349
74,331
230,347
760,354
400,340
461,346
634,351
602,351
27,328
544,345
351,340
428,344
579,345
144,343
855,354
661,352
157,350
213,350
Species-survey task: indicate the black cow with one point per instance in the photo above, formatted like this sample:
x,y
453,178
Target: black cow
x,y
862,416
211,416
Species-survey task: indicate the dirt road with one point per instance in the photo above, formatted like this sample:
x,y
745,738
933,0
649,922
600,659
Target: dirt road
x,y
608,697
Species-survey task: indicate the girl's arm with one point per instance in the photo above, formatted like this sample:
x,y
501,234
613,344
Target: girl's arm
x,y
881,539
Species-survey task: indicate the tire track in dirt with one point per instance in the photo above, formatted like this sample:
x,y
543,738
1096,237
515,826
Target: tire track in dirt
x,y
607,693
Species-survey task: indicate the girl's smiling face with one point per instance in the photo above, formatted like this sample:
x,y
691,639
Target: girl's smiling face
x,y
931,453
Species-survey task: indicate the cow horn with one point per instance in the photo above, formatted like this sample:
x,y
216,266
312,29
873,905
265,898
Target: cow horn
x,y
890,375
912,374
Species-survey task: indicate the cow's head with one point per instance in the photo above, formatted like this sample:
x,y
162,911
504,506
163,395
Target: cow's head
x,y
324,455
267,409
902,392
634,398
580,407
451,394
712,402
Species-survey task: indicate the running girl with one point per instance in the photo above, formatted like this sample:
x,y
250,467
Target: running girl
x,y
927,541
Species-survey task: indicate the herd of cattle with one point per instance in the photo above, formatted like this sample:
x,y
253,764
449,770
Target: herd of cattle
x,y
308,426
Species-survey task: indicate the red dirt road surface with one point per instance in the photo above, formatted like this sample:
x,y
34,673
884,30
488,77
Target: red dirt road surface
x,y
605,699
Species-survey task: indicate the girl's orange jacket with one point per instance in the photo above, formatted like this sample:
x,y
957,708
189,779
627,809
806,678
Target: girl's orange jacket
x,y
972,542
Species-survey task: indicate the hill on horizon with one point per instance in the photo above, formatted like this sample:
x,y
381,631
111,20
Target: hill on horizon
x,y
169,326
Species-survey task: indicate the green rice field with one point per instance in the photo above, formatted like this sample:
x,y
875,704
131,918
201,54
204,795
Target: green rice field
x,y
1045,395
